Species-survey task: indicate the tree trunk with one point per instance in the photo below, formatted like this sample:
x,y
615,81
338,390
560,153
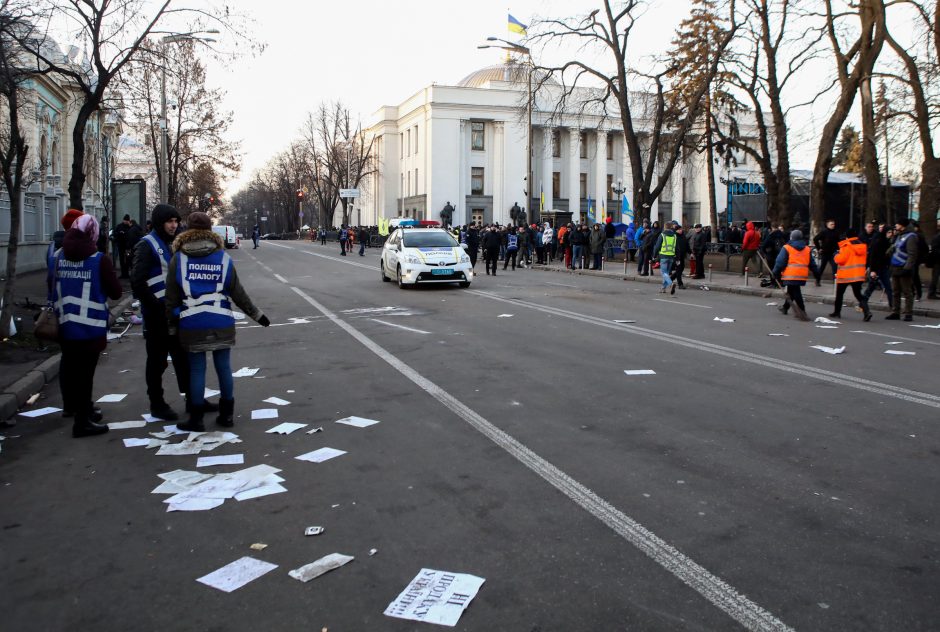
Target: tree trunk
x,y
710,160
873,198
77,178
929,196
9,290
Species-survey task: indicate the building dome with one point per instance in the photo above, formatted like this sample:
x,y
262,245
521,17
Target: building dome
x,y
513,73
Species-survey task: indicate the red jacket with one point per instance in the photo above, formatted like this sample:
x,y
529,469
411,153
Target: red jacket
x,y
751,239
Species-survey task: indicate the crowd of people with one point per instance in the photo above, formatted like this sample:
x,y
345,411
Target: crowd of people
x,y
186,284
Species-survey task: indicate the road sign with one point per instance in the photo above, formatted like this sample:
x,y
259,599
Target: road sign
x,y
349,193
264,219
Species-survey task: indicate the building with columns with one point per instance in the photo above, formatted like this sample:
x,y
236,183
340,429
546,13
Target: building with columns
x,y
466,145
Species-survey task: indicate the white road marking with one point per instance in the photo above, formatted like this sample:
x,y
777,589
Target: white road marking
x,y
722,595
417,331
280,278
666,300
842,379
561,284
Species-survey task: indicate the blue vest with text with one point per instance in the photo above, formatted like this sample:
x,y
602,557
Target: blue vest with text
x,y
512,242
899,255
79,299
205,282
156,279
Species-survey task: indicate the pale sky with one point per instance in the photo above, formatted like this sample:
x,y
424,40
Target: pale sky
x,y
370,53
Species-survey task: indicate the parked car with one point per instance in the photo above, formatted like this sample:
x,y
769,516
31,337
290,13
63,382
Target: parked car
x,y
228,235
271,236
425,255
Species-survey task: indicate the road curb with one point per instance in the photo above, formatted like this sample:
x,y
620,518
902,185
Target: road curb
x,y
924,312
15,395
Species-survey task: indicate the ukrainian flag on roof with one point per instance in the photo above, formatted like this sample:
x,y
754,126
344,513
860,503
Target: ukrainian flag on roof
x,y
515,26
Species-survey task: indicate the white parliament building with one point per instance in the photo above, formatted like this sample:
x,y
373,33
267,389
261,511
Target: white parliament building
x,y
466,145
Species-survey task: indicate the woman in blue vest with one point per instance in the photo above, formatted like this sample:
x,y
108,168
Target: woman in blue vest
x,y
83,281
201,285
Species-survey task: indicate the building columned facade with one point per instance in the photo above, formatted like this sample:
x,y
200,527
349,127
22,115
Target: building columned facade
x,y
48,106
465,145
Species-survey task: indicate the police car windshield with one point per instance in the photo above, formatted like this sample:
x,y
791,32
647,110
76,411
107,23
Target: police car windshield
x,y
429,240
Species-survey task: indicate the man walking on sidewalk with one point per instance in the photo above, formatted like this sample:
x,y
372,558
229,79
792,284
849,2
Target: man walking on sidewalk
x,y
749,245
793,265
826,242
665,250
699,244
903,253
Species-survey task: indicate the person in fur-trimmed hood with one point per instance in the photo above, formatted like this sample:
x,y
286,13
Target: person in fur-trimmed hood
x,y
201,285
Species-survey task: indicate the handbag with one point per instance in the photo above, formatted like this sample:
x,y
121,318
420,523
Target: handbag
x,y
47,323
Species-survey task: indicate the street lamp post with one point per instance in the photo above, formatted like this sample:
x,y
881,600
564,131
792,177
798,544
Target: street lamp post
x,y
171,38
619,190
518,48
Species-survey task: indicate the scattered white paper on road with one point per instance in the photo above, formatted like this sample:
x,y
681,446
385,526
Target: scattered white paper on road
x,y
156,443
321,455
435,597
39,412
778,335
894,342
135,443
826,321
222,459
277,401
112,398
258,492
826,327
123,425
358,422
640,372
210,392
235,575
176,431
186,448
724,320
937,326
285,428
505,316
624,321
895,352
264,413
315,430
196,504
772,304
150,418
245,372
829,350
323,565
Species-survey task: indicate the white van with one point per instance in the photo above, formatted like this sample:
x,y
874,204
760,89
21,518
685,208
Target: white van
x,y
227,233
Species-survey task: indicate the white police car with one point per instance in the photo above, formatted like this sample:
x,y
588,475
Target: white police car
x,y
425,255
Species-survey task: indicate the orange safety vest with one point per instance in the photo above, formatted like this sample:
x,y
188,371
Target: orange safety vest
x,y
851,261
797,264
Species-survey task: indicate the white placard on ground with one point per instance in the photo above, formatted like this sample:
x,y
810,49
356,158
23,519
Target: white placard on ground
x,y
135,443
435,597
277,401
123,425
321,455
111,399
323,565
264,413
895,352
222,459
724,320
39,412
639,372
210,392
285,428
829,350
245,372
235,575
358,422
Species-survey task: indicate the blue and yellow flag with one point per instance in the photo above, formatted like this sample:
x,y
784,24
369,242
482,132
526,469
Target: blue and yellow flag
x,y
590,211
541,199
515,26
626,213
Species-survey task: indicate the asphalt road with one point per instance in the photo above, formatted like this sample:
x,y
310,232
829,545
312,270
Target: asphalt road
x,y
753,482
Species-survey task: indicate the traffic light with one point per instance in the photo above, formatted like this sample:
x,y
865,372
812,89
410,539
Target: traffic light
x,y
300,194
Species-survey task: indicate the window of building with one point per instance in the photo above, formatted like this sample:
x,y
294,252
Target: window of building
x,y
416,182
610,147
476,216
409,183
610,187
688,189
401,144
556,184
556,143
401,187
476,180
583,143
408,141
582,180
477,129
416,143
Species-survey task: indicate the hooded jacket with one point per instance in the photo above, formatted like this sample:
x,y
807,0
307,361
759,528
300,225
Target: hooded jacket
x,y
783,259
145,260
851,260
598,239
751,240
198,243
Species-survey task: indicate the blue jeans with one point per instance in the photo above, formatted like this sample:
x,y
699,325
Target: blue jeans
x,y
576,253
665,268
883,279
362,248
222,359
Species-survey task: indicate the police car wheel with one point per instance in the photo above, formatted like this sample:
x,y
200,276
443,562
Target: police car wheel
x,y
401,284
465,284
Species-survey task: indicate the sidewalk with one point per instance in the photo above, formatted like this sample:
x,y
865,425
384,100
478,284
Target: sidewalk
x,y
734,283
27,363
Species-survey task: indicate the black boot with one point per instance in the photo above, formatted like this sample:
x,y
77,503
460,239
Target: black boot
x,y
84,427
835,315
226,417
866,311
95,412
207,406
194,423
161,410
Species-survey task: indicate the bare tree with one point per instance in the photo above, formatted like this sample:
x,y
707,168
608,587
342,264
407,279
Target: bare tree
x,y
16,20
654,134
920,99
854,62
